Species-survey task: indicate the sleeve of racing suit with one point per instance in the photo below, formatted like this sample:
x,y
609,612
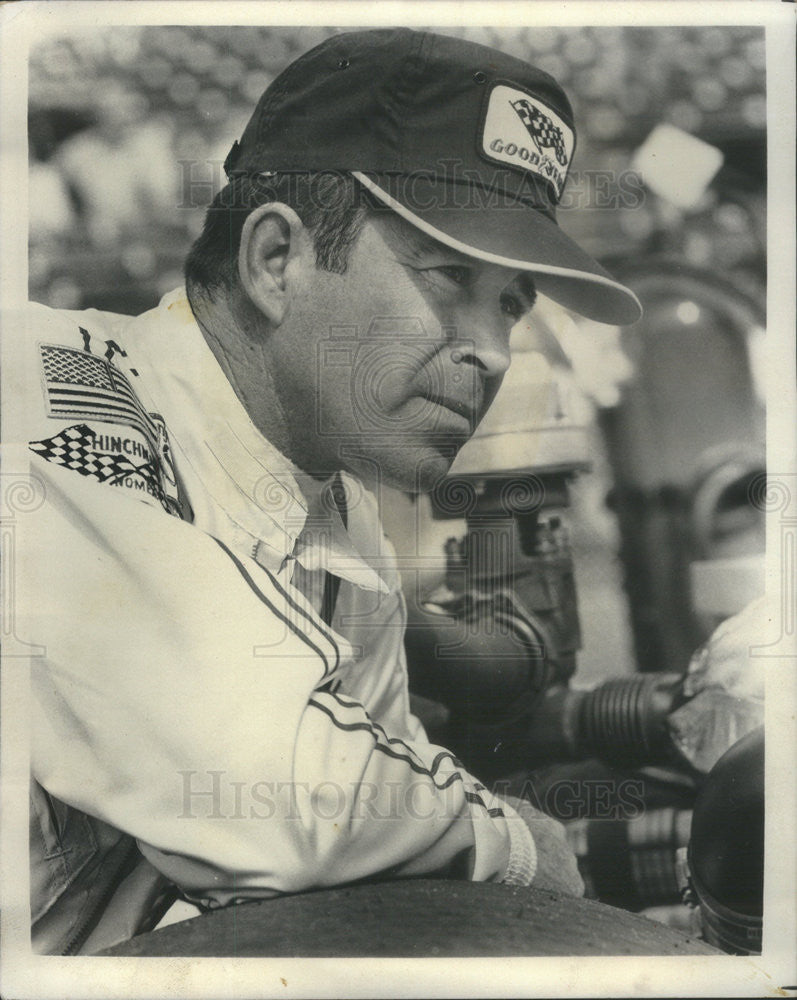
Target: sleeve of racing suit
x,y
183,698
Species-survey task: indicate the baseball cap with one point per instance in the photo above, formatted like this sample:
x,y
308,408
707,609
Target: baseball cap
x,y
465,142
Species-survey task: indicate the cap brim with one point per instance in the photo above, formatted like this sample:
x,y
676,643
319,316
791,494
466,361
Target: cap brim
x,y
517,236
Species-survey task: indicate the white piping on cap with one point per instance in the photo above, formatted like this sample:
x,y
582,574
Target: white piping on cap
x,y
485,255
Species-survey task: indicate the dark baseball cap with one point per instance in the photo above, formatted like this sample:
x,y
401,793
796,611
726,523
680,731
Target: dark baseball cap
x,y
468,144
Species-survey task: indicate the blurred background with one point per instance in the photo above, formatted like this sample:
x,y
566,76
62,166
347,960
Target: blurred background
x,y
129,126
646,443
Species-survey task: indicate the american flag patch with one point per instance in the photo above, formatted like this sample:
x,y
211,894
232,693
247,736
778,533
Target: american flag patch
x,y
542,130
83,386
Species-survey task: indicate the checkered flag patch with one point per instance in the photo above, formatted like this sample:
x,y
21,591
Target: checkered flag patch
x,y
542,130
74,448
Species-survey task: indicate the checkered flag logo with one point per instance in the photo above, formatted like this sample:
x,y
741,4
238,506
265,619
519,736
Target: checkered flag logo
x,y
543,132
74,448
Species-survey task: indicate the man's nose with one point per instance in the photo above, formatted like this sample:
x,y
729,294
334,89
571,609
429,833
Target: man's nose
x,y
483,341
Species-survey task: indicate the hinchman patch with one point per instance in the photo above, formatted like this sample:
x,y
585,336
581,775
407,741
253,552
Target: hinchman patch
x,y
112,459
83,386
524,132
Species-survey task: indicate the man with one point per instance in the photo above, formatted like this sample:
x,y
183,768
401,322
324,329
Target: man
x,y
221,708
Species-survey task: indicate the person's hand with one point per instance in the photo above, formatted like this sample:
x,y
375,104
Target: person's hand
x,y
556,864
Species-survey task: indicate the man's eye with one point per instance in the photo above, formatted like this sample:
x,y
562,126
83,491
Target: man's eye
x,y
511,306
459,275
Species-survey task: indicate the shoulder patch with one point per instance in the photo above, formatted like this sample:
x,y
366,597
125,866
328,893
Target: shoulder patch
x,y
126,461
81,385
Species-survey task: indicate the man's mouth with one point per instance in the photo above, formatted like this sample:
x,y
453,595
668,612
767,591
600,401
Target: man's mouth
x,y
464,409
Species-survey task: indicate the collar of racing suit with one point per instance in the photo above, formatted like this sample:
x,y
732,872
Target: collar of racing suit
x,y
272,510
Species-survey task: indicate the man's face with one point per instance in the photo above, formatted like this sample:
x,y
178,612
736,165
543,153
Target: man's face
x,y
390,366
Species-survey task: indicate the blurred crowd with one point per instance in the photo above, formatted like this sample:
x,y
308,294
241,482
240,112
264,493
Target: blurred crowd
x,y
129,127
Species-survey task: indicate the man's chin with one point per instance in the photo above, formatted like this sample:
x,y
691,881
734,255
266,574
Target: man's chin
x,y
417,469
424,473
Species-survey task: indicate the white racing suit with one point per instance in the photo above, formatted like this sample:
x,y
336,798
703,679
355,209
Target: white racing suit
x,y
195,720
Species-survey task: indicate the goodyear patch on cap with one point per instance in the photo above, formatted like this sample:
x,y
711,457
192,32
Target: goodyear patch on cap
x,y
523,132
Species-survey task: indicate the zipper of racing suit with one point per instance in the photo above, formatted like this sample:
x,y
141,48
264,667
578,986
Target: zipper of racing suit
x,y
88,924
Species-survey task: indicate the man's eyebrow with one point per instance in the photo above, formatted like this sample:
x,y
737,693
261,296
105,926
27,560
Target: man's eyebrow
x,y
420,244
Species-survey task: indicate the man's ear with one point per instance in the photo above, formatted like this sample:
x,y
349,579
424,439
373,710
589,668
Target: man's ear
x,y
274,244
